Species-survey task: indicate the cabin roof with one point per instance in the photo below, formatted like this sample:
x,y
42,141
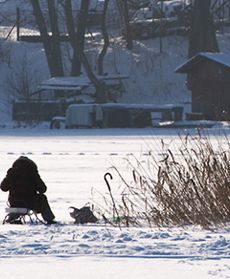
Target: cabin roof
x,y
198,59
75,83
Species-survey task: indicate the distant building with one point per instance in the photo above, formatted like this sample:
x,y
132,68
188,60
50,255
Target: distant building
x,y
209,82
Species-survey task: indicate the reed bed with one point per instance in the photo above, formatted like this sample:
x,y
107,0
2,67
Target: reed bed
x,y
190,185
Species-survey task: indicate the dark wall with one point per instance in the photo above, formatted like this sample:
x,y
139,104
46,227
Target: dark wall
x,y
211,98
37,111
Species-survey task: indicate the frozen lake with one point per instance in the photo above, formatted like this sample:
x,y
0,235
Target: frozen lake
x,y
72,162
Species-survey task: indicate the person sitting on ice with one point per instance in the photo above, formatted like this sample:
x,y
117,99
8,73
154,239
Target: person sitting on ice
x,y
26,189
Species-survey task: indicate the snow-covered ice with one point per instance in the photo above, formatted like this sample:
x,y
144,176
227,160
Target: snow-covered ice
x,y
71,162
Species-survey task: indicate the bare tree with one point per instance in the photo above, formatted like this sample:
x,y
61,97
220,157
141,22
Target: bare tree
x,y
126,25
124,10
106,39
77,43
77,39
55,36
202,32
51,43
21,80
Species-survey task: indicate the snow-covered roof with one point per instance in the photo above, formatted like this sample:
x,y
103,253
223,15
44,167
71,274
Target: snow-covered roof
x,y
152,107
65,83
74,83
220,58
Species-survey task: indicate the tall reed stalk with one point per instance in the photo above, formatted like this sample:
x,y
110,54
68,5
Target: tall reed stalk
x,y
188,186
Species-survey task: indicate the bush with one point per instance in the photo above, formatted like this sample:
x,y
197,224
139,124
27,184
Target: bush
x,y
187,186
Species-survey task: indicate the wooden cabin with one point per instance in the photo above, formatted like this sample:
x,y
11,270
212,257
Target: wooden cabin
x,y
208,78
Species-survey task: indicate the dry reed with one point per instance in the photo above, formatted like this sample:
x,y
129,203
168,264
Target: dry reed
x,y
189,186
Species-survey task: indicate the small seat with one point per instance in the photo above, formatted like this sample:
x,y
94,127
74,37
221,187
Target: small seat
x,y
17,215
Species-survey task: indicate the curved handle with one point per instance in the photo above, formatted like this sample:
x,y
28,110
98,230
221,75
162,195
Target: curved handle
x,y
106,181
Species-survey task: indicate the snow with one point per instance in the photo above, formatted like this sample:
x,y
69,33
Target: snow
x,y
151,77
72,162
74,83
113,268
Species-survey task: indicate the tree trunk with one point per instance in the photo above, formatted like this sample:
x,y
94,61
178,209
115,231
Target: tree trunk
x,y
106,39
202,33
52,60
124,10
70,22
55,37
80,37
127,27
79,55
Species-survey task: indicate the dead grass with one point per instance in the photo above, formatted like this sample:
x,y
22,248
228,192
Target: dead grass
x,y
189,186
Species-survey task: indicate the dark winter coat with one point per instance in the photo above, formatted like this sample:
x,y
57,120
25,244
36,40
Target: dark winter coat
x,y
23,183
